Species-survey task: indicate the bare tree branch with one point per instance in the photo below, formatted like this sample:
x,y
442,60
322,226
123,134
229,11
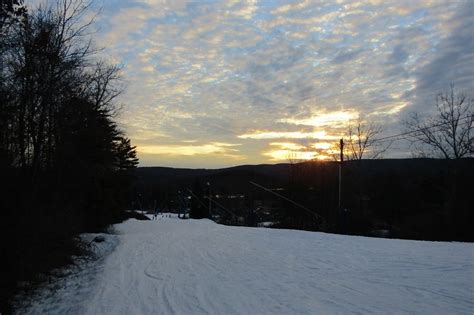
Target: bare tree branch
x,y
449,132
362,141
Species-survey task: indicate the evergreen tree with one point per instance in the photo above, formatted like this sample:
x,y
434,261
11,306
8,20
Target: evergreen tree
x,y
68,165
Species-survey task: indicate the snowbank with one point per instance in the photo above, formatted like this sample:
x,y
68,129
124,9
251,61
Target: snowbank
x,y
72,286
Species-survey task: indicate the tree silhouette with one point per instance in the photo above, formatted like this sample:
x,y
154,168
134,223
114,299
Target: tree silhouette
x,y
126,156
361,141
450,132
68,166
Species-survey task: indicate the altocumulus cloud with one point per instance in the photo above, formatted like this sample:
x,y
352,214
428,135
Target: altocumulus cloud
x,y
216,83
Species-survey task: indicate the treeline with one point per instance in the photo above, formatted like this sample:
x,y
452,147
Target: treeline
x,y
65,164
425,199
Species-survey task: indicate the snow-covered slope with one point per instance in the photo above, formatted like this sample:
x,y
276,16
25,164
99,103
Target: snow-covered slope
x,y
173,266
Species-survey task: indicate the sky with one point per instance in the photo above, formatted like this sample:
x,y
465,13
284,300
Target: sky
x,y
212,84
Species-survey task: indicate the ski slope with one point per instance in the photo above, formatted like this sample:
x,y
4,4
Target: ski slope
x,y
172,266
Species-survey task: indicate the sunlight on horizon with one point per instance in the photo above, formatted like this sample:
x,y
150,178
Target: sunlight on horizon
x,y
325,119
203,74
225,149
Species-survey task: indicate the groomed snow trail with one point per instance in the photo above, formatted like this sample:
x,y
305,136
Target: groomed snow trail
x,y
173,266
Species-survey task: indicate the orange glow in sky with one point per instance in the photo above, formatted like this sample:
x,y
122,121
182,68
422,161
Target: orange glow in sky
x,y
221,83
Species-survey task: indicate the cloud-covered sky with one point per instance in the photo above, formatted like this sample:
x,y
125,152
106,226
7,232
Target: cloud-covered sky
x,y
220,83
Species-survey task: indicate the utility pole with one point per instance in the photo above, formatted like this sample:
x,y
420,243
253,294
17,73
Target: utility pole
x,y
341,147
210,201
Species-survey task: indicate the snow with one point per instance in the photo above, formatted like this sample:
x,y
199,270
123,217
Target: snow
x,y
266,224
196,266
71,286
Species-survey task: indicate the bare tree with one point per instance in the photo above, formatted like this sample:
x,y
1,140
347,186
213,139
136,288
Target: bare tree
x,y
362,141
448,133
104,85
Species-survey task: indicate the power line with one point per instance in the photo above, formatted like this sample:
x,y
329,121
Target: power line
x,y
384,139
212,200
391,138
224,208
289,200
197,198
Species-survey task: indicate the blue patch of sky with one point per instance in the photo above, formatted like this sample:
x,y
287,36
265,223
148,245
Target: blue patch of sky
x,y
410,20
173,18
194,9
269,5
111,7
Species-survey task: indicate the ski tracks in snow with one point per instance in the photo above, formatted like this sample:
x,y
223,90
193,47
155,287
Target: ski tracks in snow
x,y
172,266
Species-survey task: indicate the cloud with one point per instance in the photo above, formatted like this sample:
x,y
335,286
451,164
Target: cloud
x,y
216,148
322,135
287,151
347,55
288,145
291,7
452,64
331,119
262,73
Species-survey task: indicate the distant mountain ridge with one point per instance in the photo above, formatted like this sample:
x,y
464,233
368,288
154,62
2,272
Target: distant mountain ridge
x,y
236,179
281,171
277,170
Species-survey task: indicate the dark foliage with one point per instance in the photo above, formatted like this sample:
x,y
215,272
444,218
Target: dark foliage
x,y
11,12
199,209
427,199
65,165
